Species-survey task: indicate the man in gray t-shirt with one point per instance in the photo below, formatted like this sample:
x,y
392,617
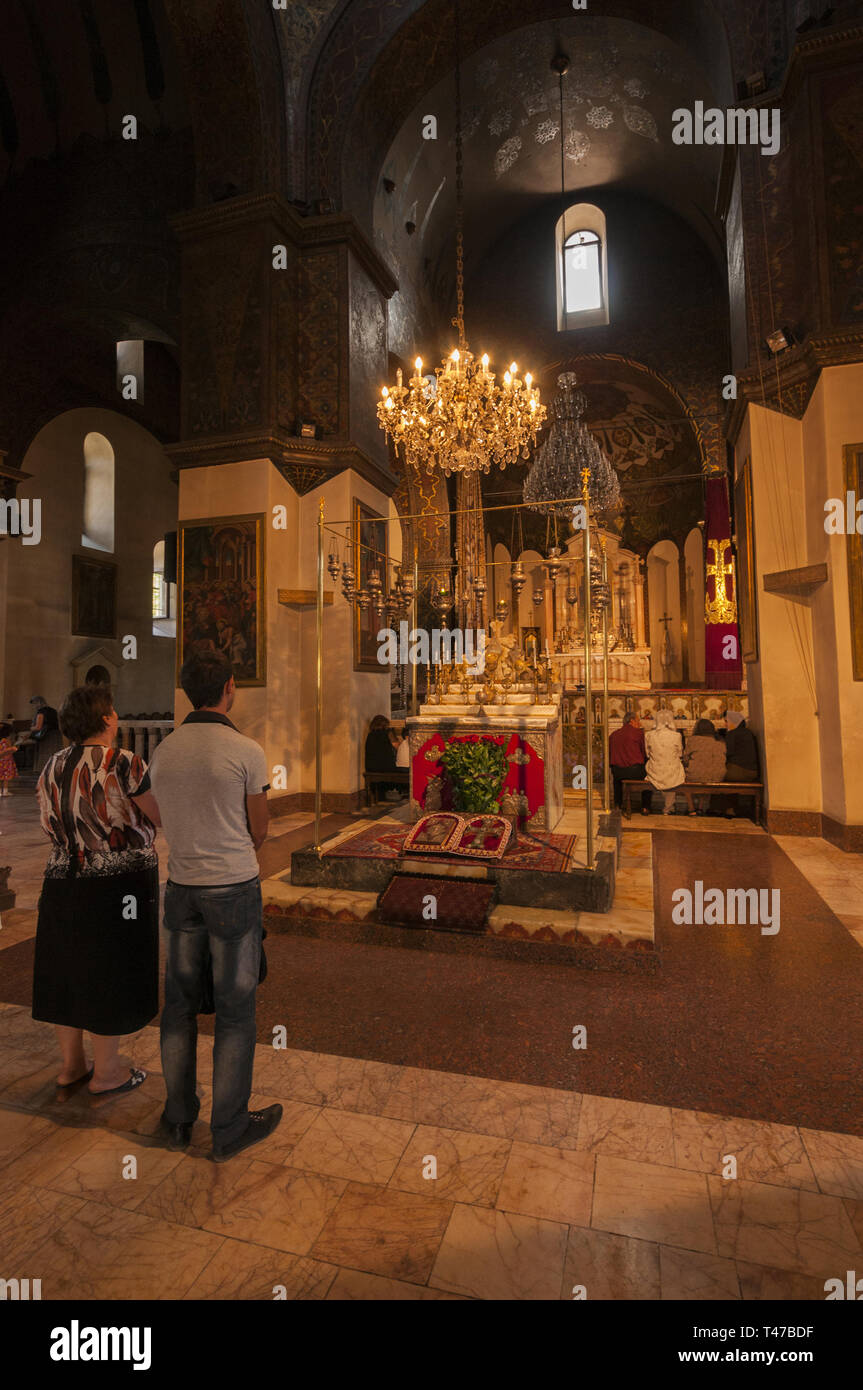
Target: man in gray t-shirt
x,y
210,783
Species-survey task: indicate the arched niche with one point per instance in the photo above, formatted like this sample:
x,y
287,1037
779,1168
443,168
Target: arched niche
x,y
663,590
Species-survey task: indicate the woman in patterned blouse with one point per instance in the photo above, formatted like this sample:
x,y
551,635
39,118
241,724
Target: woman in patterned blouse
x,y
97,945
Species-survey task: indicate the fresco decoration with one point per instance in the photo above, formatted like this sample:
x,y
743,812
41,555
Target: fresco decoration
x,y
94,597
221,582
319,350
354,92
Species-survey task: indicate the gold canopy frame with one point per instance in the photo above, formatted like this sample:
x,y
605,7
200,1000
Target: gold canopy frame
x,y
583,500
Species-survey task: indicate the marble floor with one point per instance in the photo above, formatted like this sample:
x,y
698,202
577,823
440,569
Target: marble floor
x,y
390,1181
395,1183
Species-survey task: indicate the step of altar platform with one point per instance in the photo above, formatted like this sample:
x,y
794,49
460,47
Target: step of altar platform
x,y
620,939
364,860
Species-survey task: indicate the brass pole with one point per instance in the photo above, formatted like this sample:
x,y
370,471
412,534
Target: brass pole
x,y
588,691
606,771
319,678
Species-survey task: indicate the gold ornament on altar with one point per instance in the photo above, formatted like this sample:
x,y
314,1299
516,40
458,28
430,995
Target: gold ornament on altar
x,y
722,608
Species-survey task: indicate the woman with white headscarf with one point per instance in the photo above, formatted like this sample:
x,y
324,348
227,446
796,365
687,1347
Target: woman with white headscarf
x,y
665,758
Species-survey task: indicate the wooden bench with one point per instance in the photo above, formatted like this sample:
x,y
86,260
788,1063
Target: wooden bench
x,y
751,789
400,776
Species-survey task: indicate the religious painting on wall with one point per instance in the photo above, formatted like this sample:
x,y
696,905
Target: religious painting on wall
x,y
94,597
747,612
853,456
221,586
369,533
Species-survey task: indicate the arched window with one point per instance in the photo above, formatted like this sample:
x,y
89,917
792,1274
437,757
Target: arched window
x,y
582,268
164,596
98,533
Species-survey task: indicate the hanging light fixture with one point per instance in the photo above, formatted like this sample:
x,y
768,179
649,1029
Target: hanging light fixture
x,y
568,450
461,420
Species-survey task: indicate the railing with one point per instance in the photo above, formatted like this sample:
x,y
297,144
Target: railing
x,y
143,736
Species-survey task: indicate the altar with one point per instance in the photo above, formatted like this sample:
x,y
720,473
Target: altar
x,y
508,702
531,738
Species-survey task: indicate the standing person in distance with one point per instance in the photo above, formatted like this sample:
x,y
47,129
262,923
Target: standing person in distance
x,y
210,783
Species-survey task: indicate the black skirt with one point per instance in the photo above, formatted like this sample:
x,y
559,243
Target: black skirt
x,y
96,968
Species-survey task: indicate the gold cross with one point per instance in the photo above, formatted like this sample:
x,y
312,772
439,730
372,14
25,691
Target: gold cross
x,y
721,608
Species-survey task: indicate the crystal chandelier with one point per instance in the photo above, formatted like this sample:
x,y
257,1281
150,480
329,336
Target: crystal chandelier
x,y
461,420
569,449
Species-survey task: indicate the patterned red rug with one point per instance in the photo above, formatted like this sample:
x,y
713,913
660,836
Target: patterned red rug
x,y
539,850
456,903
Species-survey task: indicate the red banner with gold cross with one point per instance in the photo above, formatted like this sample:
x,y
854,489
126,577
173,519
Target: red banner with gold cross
x,y
723,666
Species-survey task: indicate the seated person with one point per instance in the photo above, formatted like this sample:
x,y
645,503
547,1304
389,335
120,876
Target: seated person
x,y
380,755
627,756
704,760
664,758
741,752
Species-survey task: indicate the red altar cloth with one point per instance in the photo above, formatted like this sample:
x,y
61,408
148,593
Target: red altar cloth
x,y
526,769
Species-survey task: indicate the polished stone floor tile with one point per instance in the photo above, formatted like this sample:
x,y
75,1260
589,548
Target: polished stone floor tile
x,y
115,1170
19,1130
550,1184
626,1128
193,1189
28,1216
271,1204
347,1083
855,1214
101,1252
666,1205
778,1285
804,1232
691,1275
469,1167
381,1231
508,1110
604,1267
44,1161
499,1255
243,1272
837,1160
764,1152
354,1285
360,1148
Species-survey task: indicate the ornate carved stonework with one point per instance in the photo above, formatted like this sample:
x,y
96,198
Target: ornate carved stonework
x,y
266,344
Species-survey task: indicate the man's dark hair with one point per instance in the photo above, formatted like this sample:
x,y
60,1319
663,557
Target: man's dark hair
x,y
204,677
630,715
84,710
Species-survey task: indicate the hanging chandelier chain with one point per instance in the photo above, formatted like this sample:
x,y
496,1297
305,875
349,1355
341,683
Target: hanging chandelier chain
x,y
463,419
458,321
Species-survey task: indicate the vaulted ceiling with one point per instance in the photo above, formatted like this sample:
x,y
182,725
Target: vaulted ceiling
x,y
623,84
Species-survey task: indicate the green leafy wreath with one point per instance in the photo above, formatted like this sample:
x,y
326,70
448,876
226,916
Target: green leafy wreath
x,y
476,768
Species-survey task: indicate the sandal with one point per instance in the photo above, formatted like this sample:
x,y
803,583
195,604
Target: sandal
x,y
136,1078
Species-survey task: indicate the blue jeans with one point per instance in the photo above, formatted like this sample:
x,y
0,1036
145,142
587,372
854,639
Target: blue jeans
x,y
223,924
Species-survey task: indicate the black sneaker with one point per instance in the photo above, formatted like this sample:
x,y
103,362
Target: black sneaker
x,y
261,1125
178,1136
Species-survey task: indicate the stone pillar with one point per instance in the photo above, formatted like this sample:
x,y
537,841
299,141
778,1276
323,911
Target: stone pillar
x,y
285,327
